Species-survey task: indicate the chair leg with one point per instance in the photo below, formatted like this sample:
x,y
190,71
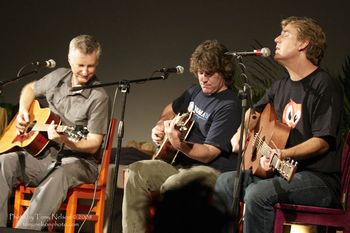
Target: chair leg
x,y
100,211
346,229
71,213
279,221
18,207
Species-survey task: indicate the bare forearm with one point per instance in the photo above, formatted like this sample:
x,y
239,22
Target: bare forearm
x,y
167,114
89,145
200,152
27,97
313,146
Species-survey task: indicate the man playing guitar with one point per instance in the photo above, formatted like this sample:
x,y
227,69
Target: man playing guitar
x,y
309,102
53,176
206,150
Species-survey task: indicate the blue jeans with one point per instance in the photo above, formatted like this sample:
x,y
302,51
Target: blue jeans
x,y
260,195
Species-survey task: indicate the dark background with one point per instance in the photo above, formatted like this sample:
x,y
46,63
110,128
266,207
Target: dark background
x,y
141,36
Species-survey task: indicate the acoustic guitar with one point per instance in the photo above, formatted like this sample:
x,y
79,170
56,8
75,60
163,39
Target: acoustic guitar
x,y
268,134
34,139
166,151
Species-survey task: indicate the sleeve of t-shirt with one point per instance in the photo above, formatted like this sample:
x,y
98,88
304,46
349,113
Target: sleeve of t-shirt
x,y
327,110
99,115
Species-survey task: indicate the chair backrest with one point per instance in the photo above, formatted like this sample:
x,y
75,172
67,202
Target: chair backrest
x,y
102,180
345,169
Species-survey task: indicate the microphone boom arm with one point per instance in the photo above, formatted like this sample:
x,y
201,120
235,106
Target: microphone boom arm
x,y
17,78
163,77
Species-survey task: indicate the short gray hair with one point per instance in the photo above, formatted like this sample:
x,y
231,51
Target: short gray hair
x,y
86,44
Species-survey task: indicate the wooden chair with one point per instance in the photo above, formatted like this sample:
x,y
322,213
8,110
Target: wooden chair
x,y
76,211
332,218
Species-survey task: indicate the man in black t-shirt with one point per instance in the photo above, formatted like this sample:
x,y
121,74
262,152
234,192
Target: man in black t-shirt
x,y
310,103
205,152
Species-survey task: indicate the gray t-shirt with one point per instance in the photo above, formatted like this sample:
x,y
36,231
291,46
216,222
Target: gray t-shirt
x,y
88,108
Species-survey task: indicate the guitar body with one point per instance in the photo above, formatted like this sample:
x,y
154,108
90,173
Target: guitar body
x,y
272,133
32,141
166,151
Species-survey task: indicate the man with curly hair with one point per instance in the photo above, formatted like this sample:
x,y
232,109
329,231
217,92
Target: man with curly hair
x,y
207,150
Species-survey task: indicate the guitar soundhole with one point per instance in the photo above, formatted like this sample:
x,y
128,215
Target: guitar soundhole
x,y
254,153
30,126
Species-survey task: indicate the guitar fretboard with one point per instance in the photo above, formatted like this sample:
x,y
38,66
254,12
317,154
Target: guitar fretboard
x,y
44,127
285,168
262,147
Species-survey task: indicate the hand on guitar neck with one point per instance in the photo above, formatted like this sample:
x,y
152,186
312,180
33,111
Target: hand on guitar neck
x,y
264,142
265,163
266,159
52,134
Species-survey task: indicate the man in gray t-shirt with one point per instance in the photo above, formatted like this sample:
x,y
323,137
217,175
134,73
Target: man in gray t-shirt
x,y
54,172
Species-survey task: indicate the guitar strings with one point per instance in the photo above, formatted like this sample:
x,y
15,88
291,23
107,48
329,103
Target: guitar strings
x,y
263,148
285,168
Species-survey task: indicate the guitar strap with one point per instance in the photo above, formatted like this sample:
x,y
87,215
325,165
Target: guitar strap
x,y
22,163
54,153
58,162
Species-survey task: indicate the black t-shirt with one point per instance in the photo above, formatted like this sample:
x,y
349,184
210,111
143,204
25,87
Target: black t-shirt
x,y
216,117
312,107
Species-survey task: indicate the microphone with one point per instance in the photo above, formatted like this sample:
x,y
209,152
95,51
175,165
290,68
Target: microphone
x,y
264,52
49,63
177,70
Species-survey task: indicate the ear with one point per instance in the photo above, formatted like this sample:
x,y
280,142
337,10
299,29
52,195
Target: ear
x,y
68,59
303,45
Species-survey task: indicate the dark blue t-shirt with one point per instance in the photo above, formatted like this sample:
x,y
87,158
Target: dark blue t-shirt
x,y
217,118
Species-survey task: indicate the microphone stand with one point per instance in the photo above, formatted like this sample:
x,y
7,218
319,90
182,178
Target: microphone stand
x,y
124,87
6,82
245,95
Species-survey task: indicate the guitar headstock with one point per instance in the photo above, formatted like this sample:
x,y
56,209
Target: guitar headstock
x,y
76,133
286,168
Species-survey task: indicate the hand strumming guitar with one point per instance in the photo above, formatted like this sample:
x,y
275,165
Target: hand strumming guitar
x,y
22,121
158,133
251,120
173,135
235,142
158,130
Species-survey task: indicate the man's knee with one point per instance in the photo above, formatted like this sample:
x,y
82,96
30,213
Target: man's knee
x,y
253,196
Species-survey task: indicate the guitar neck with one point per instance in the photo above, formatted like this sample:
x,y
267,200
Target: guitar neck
x,y
44,127
275,161
286,169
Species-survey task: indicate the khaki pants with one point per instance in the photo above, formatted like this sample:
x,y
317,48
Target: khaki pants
x,y
147,176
